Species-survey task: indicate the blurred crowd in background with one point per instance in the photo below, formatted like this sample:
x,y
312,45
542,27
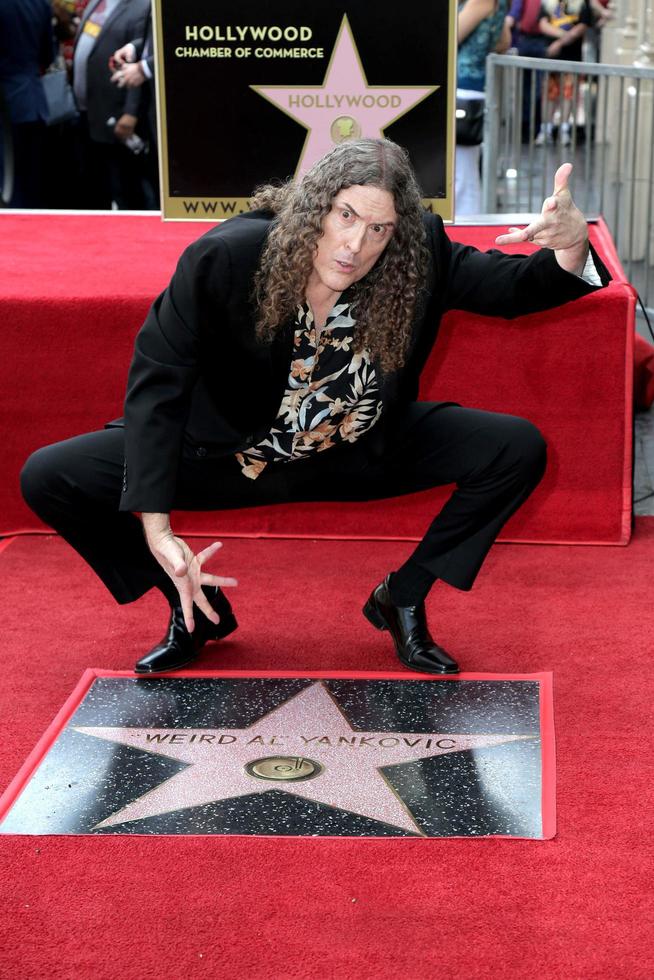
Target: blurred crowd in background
x,y
77,93
77,98
561,30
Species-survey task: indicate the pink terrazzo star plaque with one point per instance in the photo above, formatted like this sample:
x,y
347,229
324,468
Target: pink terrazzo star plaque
x,y
335,755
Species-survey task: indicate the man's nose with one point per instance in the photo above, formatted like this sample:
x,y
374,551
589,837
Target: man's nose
x,y
356,237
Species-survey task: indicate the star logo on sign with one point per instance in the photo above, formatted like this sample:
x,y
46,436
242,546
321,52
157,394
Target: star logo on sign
x,y
305,747
344,106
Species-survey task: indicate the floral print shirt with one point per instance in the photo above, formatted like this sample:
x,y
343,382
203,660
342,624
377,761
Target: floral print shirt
x,y
332,395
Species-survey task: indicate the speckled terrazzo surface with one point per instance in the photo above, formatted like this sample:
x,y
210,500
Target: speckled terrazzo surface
x,y
293,757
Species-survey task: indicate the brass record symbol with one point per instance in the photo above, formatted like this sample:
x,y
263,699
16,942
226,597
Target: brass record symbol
x,y
344,128
284,767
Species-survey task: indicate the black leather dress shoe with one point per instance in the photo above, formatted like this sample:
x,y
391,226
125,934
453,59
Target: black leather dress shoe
x,y
408,627
179,647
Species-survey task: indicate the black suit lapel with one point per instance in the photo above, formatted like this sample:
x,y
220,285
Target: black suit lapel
x,y
117,12
281,350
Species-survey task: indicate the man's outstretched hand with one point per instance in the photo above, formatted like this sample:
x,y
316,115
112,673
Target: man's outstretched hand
x,y
561,227
184,567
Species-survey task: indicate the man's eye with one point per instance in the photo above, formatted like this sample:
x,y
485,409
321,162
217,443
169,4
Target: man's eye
x,y
378,230
345,213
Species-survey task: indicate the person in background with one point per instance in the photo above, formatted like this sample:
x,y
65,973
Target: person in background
x,y
510,22
133,68
601,16
564,23
523,18
108,115
601,10
27,48
67,15
480,30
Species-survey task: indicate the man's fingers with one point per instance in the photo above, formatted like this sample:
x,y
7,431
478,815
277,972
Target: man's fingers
x,y
207,553
126,53
171,557
186,600
528,234
550,204
533,230
514,236
220,580
521,234
561,178
185,589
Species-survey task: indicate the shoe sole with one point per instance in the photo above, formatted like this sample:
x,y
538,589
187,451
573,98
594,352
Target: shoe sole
x,y
226,626
376,619
165,670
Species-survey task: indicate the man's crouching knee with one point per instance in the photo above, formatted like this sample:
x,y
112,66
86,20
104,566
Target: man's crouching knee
x,y
529,449
37,478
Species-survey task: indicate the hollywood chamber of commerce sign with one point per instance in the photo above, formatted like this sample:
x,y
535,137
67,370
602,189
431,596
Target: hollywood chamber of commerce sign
x,y
246,95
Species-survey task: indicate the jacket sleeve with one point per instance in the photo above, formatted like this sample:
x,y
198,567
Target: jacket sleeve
x,y
163,373
47,46
139,13
495,283
133,101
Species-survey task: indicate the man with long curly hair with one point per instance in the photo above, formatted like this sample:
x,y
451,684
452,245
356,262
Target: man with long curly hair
x,y
282,364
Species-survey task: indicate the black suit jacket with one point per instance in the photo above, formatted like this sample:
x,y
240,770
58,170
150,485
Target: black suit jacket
x,y
104,99
200,378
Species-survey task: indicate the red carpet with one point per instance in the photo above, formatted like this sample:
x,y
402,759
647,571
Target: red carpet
x,y
67,334
145,909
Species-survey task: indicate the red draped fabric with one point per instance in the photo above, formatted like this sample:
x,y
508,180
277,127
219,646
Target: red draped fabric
x,y
74,290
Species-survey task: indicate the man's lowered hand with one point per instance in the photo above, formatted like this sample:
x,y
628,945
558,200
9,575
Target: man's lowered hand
x,y
184,567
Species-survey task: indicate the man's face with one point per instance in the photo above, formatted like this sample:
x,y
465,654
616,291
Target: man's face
x,y
354,234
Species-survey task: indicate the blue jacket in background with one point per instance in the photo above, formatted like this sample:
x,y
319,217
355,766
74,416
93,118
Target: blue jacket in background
x,y
27,48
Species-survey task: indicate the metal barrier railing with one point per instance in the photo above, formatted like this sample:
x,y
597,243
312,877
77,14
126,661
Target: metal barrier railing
x,y
542,112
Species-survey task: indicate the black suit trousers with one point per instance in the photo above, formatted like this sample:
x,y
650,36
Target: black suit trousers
x,y
494,460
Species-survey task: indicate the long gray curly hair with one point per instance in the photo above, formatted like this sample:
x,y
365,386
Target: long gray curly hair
x,y
385,298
